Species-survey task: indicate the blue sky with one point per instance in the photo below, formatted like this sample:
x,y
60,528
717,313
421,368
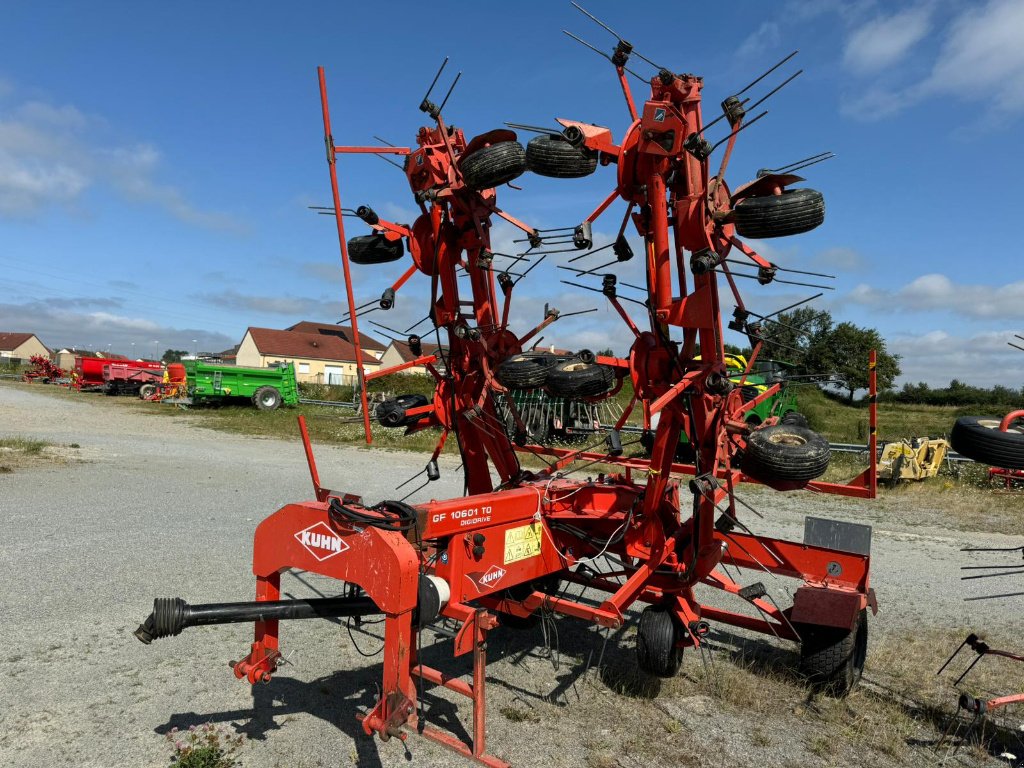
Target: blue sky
x,y
156,160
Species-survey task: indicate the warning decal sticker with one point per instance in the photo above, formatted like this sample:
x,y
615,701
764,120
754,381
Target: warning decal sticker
x,y
522,542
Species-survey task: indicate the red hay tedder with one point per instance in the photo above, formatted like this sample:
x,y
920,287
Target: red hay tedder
x,y
499,554
43,370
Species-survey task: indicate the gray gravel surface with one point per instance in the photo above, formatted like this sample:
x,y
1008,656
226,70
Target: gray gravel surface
x,y
159,506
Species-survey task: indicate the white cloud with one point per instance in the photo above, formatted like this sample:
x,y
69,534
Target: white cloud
x,y
53,154
937,357
937,293
885,40
981,59
765,38
297,306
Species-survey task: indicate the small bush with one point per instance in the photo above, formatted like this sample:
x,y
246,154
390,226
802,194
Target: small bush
x,y
205,746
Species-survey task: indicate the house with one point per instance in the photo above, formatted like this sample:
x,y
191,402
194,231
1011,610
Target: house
x,y
21,346
398,352
344,332
319,358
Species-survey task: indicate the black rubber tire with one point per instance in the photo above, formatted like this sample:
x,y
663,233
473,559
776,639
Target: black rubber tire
x,y
146,390
527,370
979,438
832,659
657,651
795,419
574,378
494,165
266,399
786,452
792,212
553,156
391,413
374,249
895,470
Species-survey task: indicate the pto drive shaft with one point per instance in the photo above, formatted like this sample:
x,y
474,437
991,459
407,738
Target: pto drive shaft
x,y
172,614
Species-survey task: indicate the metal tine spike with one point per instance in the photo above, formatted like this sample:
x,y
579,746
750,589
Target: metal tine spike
x,y
821,156
386,328
328,210
614,34
763,76
384,141
776,89
791,306
434,81
605,55
391,162
785,269
529,269
536,129
1015,346
417,324
450,89
598,290
733,133
783,282
1017,335
591,252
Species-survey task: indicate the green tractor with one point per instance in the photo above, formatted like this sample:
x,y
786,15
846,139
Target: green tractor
x,y
764,374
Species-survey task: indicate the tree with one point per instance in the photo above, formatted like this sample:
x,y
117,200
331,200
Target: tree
x,y
609,352
794,335
173,355
845,350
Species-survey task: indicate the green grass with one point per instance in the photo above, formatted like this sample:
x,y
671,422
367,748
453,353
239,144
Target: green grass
x,y
22,445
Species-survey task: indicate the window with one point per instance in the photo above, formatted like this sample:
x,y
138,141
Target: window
x,y
303,367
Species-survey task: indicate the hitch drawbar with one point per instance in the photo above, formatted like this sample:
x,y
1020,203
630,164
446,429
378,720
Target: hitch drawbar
x,y
172,614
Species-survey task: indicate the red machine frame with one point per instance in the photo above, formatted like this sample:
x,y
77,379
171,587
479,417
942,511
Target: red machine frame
x,y
533,525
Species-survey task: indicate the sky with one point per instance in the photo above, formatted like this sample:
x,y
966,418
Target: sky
x,y
157,161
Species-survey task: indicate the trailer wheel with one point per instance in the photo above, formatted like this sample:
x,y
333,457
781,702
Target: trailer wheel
x,y
980,438
266,399
110,389
657,651
494,165
554,156
374,249
526,371
146,391
832,659
575,378
795,419
792,212
786,452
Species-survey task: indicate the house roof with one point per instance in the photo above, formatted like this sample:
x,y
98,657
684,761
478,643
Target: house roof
x,y
407,354
292,344
341,331
11,341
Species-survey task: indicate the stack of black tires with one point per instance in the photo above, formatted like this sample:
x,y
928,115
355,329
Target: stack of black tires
x,y
577,376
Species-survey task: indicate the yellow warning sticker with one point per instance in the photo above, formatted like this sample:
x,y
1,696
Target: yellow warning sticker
x,y
522,542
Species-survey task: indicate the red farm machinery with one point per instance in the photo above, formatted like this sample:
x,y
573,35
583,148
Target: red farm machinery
x,y
43,370
498,554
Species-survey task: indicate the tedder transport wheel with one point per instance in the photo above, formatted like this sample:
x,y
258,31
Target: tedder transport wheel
x,y
493,165
528,370
980,438
786,452
392,413
554,156
374,249
146,391
576,378
657,652
792,212
795,419
266,399
832,658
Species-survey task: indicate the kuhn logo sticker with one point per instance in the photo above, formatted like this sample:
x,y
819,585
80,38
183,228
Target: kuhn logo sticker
x,y
488,578
321,542
659,115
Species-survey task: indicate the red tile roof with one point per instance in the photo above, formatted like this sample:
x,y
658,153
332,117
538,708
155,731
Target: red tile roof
x,y
11,341
342,331
315,346
428,349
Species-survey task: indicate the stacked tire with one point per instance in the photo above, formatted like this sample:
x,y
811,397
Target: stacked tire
x,y
979,438
786,455
579,376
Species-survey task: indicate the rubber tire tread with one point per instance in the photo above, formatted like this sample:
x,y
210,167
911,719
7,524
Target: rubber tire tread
x,y
526,371
374,249
765,460
988,446
792,212
591,380
832,659
146,390
558,159
656,650
795,418
494,165
257,399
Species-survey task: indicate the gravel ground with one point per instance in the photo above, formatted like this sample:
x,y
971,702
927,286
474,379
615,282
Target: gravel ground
x,y
159,506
